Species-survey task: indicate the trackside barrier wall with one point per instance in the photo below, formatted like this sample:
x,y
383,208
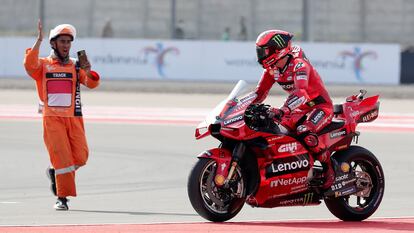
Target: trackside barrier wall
x,y
212,60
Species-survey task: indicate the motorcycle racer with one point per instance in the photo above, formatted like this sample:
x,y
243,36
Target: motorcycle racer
x,y
58,80
288,66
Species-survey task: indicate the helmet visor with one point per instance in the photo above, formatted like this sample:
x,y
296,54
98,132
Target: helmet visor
x,y
262,53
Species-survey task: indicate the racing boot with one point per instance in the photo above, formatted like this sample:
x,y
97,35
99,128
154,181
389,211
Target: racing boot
x,y
50,173
324,177
61,204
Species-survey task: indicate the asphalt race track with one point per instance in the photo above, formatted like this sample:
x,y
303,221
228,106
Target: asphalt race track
x,y
142,149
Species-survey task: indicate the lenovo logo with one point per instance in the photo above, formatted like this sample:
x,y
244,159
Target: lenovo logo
x,y
337,134
286,165
289,166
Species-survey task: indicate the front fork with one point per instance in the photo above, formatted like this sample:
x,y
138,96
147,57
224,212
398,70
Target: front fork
x,y
225,159
238,152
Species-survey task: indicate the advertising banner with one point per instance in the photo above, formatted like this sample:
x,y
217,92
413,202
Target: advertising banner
x,y
212,60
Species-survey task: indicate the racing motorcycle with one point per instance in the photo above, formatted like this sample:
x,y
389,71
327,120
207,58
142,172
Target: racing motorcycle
x,y
262,163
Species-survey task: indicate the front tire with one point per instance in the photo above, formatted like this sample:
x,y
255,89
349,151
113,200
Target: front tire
x,y
214,203
363,162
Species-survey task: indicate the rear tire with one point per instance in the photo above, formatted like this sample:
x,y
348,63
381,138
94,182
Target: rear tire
x,y
205,196
359,158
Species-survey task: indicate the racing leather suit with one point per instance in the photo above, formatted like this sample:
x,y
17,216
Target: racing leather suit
x,y
307,96
58,87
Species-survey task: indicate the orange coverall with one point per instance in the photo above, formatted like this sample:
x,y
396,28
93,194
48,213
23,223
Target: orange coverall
x,y
63,129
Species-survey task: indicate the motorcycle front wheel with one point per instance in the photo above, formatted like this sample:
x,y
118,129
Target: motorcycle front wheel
x,y
217,204
368,170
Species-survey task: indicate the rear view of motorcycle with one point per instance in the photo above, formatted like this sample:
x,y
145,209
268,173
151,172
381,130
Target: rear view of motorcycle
x,y
261,163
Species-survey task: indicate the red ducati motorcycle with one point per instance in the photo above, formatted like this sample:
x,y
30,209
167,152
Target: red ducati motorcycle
x,y
261,163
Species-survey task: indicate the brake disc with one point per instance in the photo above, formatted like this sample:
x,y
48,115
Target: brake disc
x,y
363,183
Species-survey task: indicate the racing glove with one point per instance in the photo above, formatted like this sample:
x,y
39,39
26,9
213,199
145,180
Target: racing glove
x,y
277,113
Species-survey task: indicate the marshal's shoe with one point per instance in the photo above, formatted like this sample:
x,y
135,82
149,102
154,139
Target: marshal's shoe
x,y
61,204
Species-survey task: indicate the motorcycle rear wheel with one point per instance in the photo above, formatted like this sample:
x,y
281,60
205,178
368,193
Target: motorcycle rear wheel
x,y
214,203
364,162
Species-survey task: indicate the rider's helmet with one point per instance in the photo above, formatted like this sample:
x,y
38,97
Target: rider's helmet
x,y
271,46
62,29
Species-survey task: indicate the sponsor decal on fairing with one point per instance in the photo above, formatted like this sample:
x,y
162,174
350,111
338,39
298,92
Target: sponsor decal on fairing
x,y
341,178
337,134
288,165
248,97
290,181
290,147
346,192
369,116
233,120
306,199
345,167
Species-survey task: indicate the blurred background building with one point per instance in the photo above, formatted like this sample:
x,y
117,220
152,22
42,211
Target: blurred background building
x,y
378,21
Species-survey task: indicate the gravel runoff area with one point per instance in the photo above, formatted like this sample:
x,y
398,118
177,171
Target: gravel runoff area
x,y
191,87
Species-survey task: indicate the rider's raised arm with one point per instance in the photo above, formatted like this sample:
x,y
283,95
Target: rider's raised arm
x,y
301,73
300,95
262,89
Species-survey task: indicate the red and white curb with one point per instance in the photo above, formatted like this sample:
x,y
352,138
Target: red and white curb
x,y
375,225
182,116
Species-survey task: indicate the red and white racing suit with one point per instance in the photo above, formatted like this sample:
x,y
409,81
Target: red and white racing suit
x,y
307,96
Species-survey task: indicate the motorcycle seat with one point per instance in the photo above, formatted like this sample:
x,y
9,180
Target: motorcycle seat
x,y
335,124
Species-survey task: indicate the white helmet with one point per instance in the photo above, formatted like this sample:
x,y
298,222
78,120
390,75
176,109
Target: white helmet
x,y
62,29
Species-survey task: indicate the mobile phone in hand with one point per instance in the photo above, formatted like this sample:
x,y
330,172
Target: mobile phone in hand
x,y
82,58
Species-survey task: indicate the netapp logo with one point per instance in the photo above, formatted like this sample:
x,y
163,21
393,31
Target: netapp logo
x,y
291,181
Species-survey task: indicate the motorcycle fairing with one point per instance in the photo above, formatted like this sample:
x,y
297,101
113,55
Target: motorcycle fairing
x,y
283,170
222,157
305,198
